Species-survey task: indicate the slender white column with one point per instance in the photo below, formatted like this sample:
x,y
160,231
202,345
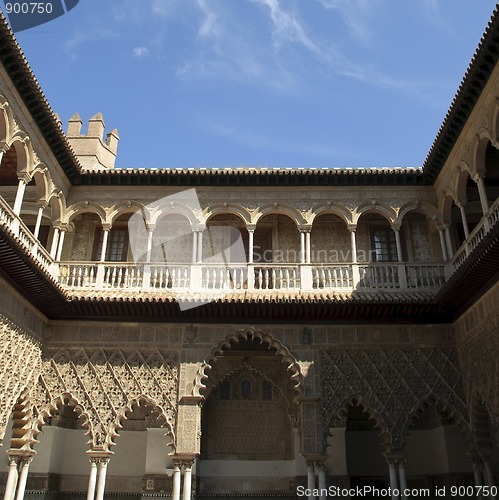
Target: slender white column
x,y
402,478
393,478
62,234
488,475
322,481
448,240
483,193
442,244
10,487
194,246
302,247
477,473
21,188
187,482
2,152
200,247
101,484
105,239
251,233
23,477
150,232
92,480
307,254
310,478
177,476
55,241
38,224
399,244
465,222
354,245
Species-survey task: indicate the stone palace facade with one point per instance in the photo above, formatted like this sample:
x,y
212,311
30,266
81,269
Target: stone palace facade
x,y
356,343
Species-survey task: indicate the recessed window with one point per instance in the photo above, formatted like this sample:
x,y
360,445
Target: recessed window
x,y
384,246
245,388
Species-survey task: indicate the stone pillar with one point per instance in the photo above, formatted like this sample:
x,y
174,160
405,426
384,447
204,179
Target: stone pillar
x,y
150,233
307,248
187,481
402,477
200,247
302,247
488,475
465,222
10,487
55,241
194,246
177,477
392,468
60,245
23,477
310,477
442,243
448,240
105,238
483,193
251,233
399,244
101,483
39,217
353,239
322,480
21,188
92,481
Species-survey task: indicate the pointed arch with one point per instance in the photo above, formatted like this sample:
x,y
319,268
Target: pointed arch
x,y
357,400
443,407
244,335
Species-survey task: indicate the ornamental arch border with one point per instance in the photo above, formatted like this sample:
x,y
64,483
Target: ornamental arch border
x,y
244,334
232,208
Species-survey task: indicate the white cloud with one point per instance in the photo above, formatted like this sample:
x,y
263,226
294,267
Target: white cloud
x,y
357,14
140,52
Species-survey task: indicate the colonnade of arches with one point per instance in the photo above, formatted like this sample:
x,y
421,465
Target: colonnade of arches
x,y
254,380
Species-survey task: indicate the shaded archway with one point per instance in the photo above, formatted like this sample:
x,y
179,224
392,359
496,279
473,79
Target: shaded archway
x,y
437,450
249,436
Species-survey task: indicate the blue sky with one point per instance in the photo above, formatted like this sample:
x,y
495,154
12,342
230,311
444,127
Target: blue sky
x,y
274,83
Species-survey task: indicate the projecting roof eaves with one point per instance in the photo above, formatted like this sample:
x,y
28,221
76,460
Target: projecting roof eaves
x,y
19,71
479,70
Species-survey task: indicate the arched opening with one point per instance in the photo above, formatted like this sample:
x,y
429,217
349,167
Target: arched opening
x,y
172,240
248,439
276,253
376,240
330,240
362,463
436,449
491,172
141,462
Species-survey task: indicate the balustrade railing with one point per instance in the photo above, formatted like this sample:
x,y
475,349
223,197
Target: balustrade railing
x,y
276,277
219,277
332,277
33,246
